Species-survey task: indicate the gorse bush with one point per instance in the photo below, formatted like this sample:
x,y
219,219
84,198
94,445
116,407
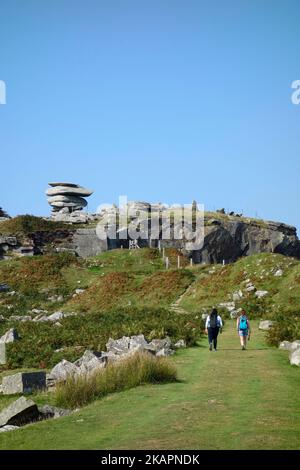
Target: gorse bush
x,y
286,328
27,224
29,274
138,369
39,341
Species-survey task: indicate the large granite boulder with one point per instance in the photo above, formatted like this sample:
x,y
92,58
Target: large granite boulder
x,y
289,346
62,371
265,325
295,357
20,412
23,382
90,362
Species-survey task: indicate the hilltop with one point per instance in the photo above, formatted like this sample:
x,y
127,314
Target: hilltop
x,y
226,237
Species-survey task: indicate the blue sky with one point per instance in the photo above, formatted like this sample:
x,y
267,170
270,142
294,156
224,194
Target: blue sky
x,y
161,100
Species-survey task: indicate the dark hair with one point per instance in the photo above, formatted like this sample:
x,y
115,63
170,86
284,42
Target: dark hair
x,y
214,312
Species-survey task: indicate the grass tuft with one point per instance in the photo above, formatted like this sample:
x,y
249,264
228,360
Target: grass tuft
x,y
138,369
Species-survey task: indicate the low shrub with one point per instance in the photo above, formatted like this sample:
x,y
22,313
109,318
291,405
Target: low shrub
x,y
286,328
138,369
39,341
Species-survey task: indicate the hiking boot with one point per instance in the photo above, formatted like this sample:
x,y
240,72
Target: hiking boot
x,y
210,347
243,348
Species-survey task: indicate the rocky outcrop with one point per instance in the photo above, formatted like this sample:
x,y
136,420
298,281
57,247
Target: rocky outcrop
x,y
65,198
225,238
229,239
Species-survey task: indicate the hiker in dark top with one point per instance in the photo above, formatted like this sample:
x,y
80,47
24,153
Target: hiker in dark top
x,y
243,328
213,326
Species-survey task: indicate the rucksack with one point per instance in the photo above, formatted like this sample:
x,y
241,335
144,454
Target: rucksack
x,y
213,321
243,325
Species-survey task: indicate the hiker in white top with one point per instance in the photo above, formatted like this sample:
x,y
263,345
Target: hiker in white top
x,y
213,326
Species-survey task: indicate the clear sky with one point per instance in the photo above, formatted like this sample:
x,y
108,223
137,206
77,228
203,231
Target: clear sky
x,y
160,100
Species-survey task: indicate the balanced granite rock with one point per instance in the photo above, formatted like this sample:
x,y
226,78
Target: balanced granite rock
x,y
66,198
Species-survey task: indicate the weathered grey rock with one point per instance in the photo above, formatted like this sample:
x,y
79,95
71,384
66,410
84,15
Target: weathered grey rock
x,y
180,344
67,201
8,428
295,344
164,352
86,243
56,316
163,345
70,191
38,311
261,293
118,346
295,357
68,185
230,306
90,362
23,382
19,413
285,345
251,289
10,336
21,318
234,238
204,316
62,371
3,358
278,273
236,296
137,343
265,325
111,357
48,412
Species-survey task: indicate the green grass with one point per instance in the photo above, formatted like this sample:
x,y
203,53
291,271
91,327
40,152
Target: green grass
x,y
217,284
231,399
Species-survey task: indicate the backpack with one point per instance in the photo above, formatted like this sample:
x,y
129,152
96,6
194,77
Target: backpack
x,y
213,321
243,324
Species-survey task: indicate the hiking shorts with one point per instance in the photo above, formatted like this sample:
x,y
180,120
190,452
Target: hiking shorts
x,y
243,333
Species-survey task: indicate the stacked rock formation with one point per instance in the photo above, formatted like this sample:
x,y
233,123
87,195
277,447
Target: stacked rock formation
x,y
66,198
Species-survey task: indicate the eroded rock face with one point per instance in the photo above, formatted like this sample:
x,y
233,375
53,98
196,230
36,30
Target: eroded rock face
x,y
232,239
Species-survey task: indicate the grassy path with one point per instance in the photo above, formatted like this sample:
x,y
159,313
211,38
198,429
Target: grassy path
x,y
230,399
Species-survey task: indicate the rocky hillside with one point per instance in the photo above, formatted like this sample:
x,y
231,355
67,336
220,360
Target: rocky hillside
x,y
226,237
62,305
